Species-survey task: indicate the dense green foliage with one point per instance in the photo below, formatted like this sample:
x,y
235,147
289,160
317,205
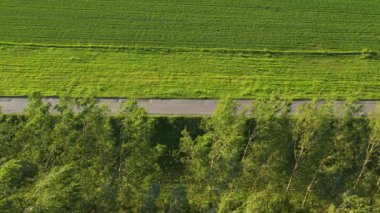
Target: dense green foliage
x,y
185,73
252,24
79,158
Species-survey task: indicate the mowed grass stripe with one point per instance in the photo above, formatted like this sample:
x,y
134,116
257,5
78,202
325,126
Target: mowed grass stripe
x,y
192,74
250,24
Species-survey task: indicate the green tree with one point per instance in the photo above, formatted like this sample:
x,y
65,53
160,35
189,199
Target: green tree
x,y
9,126
351,136
267,156
373,147
354,204
150,199
178,202
137,156
15,175
267,200
313,134
267,153
83,136
34,134
212,160
59,191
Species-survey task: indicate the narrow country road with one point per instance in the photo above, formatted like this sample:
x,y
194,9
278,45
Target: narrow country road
x,y
16,105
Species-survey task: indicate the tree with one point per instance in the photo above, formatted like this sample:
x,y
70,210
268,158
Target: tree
x,y
373,147
59,191
313,144
178,202
354,203
267,200
137,156
351,135
266,157
212,160
9,126
83,135
34,133
14,176
149,203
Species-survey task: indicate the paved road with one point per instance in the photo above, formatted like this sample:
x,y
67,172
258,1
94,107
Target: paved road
x,y
15,105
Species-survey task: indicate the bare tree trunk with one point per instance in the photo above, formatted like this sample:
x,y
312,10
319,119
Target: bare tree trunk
x,y
309,189
120,161
313,181
377,186
267,162
247,147
291,178
366,161
360,175
297,158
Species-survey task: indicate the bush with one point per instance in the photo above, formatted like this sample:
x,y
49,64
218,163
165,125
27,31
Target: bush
x,y
267,201
367,54
14,172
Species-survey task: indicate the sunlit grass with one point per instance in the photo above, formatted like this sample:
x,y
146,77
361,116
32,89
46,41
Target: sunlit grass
x,y
184,74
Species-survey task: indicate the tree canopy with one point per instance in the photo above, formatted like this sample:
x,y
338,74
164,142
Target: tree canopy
x,y
77,157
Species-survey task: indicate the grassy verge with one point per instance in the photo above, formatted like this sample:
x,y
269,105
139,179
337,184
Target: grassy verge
x,y
118,72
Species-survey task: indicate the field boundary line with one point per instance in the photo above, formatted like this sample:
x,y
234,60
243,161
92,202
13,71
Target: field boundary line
x,y
159,49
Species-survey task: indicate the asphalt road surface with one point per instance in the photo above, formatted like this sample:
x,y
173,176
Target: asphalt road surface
x,y
197,107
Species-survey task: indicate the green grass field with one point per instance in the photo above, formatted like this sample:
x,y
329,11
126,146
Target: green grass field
x,y
252,24
191,73
194,49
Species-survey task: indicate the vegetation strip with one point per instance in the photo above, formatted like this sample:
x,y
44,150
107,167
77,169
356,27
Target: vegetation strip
x,y
112,73
84,160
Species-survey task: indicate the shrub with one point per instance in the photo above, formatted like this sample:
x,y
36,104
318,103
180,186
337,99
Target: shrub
x,y
367,54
